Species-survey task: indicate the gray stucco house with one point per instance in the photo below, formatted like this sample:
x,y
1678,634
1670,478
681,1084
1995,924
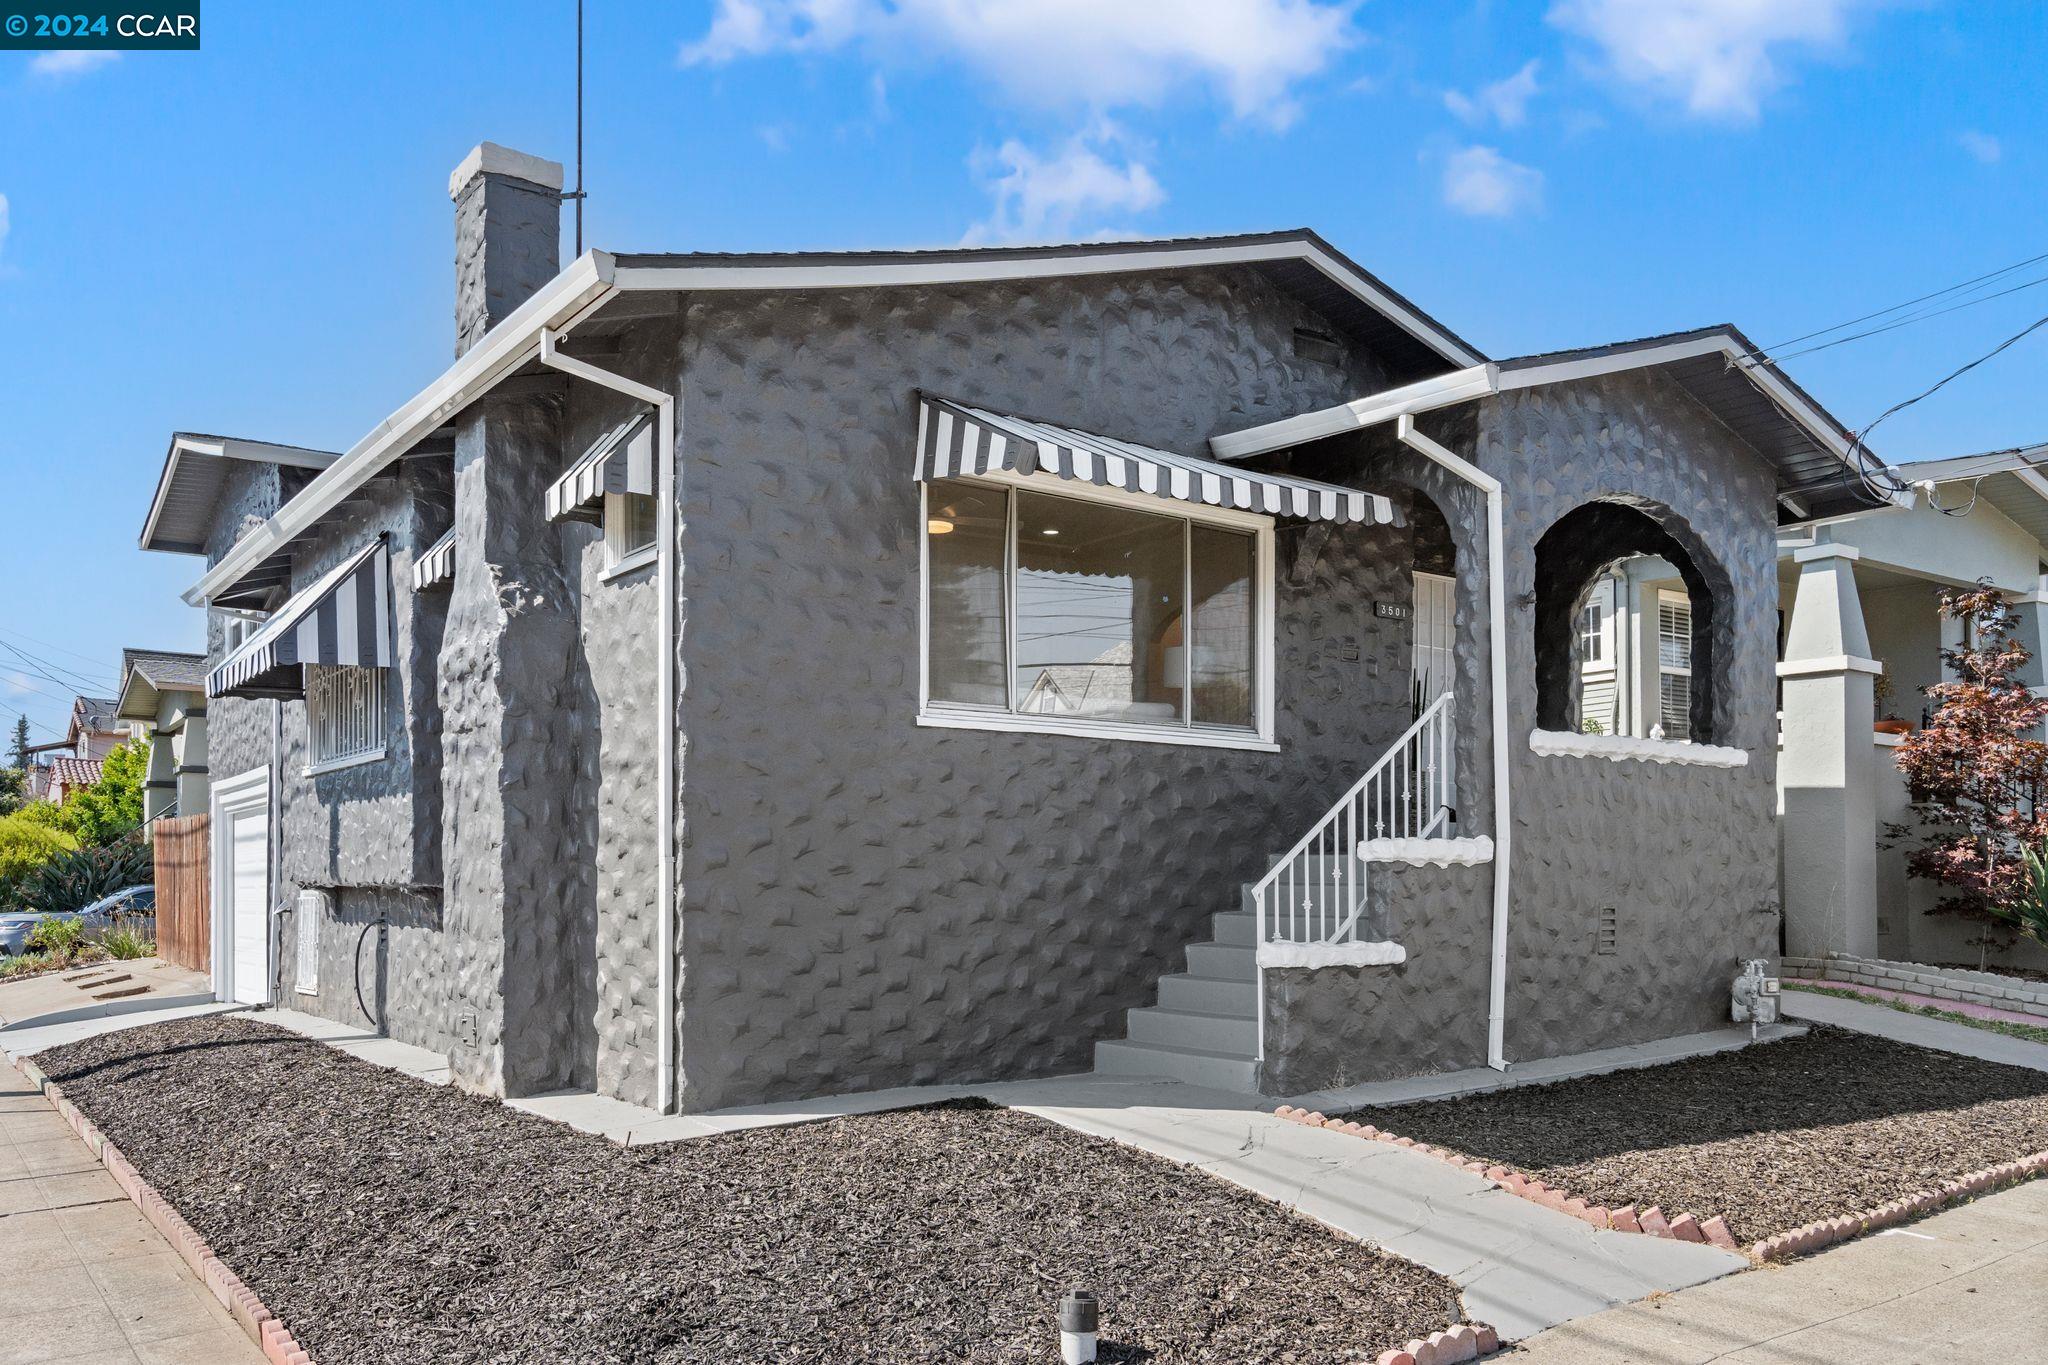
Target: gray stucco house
x,y
743,677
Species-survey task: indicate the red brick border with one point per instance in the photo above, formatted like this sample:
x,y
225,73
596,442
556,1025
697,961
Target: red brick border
x,y
263,1326
1452,1346
1689,1227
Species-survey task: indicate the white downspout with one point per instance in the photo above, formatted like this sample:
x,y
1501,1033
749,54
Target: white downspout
x,y
665,687
1496,597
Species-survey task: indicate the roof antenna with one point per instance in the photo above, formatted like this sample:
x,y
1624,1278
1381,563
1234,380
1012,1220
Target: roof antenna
x,y
577,193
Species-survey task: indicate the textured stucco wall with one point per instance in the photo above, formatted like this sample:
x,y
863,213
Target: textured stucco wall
x,y
869,903
508,245
371,834
238,730
1684,854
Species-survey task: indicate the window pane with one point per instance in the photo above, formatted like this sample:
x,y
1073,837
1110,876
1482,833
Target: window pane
x,y
966,530
1675,698
1674,635
1098,611
1222,613
640,522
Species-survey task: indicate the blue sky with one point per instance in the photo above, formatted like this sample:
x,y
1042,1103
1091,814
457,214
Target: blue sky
x,y
256,238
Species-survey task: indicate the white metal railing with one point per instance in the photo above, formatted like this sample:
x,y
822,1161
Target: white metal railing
x,y
1317,890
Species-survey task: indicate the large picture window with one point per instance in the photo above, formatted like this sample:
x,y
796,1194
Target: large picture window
x,y
1050,612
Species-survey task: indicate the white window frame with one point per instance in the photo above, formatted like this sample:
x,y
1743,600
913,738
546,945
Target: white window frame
x,y
621,558
370,750
956,717
1666,597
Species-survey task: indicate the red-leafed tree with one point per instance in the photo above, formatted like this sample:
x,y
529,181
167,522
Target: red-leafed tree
x,y
1979,772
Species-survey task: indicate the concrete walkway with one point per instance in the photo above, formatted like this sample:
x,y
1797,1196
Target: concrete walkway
x,y
83,1277
1899,1026
1970,1284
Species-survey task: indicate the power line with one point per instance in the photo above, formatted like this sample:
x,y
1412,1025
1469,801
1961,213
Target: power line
x,y
1856,443
1979,279
30,639
1756,357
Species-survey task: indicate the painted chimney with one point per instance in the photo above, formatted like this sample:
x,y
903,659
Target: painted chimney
x,y
508,235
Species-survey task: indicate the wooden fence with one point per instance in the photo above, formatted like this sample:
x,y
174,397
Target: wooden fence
x,y
184,891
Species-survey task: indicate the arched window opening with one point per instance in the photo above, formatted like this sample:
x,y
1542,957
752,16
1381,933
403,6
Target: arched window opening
x,y
1627,614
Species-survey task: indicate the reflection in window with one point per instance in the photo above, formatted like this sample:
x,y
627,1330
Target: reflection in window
x,y
1099,595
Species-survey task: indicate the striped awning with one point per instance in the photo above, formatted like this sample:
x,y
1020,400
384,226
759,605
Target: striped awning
x,y
436,565
622,461
954,440
345,618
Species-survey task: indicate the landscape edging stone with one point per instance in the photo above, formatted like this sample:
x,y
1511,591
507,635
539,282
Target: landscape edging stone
x,y
1689,1227
263,1327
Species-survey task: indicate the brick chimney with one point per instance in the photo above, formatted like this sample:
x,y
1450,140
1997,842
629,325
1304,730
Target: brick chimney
x,y
508,235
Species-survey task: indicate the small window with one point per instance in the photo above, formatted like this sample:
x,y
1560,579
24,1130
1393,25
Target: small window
x,y
344,714
630,528
1056,612
1593,632
1674,666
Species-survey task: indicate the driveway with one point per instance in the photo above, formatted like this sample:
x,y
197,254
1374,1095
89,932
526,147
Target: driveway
x,y
84,1279
1967,1285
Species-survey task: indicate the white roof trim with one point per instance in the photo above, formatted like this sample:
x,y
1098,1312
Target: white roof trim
x,y
512,343
1456,387
880,274
223,448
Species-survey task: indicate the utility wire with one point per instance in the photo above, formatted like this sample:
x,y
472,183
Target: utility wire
x,y
1758,357
48,671
1992,275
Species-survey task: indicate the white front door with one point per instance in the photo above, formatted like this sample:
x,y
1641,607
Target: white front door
x,y
241,888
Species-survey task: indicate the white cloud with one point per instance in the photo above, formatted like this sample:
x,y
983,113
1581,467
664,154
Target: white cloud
x,y
1717,57
19,684
1505,102
1067,54
1983,146
66,64
1482,182
1043,198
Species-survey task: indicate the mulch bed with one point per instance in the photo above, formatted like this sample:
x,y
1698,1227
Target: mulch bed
x,y
1771,1137
385,1220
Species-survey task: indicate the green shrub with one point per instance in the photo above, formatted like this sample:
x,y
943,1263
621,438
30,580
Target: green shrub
x,y
57,938
71,881
27,845
112,806
22,964
126,944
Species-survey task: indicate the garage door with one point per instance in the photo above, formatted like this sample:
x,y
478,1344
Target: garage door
x,y
241,825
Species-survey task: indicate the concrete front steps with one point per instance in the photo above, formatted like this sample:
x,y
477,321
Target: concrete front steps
x,y
1204,1030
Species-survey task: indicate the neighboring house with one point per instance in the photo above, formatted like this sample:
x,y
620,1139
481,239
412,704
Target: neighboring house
x,y
1860,600
93,731
163,695
744,677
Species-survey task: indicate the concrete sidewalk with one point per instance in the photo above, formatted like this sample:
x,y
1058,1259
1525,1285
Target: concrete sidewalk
x,y
1897,1025
1967,1285
84,1278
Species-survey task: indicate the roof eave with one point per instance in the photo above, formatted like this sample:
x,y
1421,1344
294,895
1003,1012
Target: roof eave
x,y
193,444
586,283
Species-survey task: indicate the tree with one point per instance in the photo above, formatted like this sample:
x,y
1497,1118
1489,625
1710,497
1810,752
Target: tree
x,y
112,806
13,786
19,751
1979,771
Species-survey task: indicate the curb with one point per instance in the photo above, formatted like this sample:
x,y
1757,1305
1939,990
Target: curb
x,y
263,1327
1689,1227
1828,1231
1652,1221
1455,1344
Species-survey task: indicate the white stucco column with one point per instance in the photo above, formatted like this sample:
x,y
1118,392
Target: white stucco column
x,y
1826,768
159,779
2030,611
193,784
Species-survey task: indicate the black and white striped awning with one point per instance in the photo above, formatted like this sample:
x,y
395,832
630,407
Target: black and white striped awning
x,y
622,461
955,440
345,618
435,567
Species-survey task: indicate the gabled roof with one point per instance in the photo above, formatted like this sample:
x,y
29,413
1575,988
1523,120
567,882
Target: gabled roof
x,y
1822,471
182,509
94,714
1299,261
146,674
2014,481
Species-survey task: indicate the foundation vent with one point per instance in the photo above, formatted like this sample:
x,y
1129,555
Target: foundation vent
x,y
1608,932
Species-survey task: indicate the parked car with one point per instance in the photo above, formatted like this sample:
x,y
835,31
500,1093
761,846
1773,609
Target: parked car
x,y
129,906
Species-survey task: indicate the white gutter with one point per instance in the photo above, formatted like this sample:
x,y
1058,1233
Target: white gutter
x,y
1497,647
665,693
514,342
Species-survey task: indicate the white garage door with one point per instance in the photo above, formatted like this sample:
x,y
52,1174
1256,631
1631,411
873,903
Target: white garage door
x,y
241,846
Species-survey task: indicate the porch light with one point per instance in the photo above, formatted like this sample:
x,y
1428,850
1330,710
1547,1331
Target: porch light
x,y
938,526
1050,531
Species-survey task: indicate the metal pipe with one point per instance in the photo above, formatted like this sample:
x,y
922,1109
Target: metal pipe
x,y
1496,595
667,411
